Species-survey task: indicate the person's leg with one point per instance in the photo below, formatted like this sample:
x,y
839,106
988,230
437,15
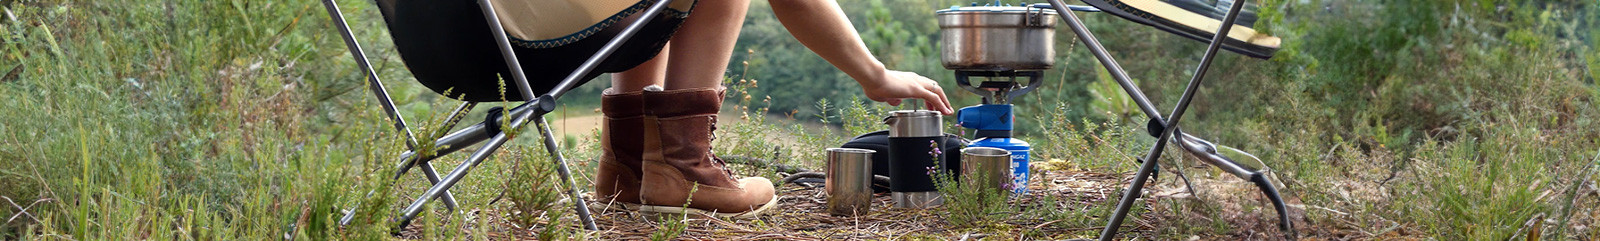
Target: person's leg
x,y
680,173
652,72
703,45
617,177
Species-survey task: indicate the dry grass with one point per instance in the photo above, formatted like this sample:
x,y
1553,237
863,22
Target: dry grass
x,y
800,215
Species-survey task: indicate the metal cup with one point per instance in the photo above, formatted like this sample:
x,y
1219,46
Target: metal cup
x,y
849,181
986,167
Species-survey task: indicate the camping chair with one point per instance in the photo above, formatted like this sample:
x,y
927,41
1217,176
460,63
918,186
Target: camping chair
x,y
532,110
1227,35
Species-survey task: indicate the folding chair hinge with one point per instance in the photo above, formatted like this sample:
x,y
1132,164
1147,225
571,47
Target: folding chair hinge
x,y
491,122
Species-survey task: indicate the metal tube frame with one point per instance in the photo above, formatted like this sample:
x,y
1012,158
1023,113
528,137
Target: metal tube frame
x,y
376,86
534,107
1205,150
427,168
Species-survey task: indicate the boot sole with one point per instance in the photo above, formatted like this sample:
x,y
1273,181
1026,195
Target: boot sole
x,y
658,210
622,207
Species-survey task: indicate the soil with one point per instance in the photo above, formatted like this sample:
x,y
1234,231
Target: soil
x,y
801,215
800,212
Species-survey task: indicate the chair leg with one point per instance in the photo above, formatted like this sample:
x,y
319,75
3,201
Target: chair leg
x,y
578,202
580,205
442,185
1170,124
376,86
506,52
455,116
509,54
373,82
449,180
427,166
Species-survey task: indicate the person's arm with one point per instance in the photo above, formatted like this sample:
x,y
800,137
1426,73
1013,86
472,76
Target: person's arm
x,y
822,27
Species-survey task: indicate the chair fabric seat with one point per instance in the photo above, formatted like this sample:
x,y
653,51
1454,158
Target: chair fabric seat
x,y
449,47
1167,17
553,23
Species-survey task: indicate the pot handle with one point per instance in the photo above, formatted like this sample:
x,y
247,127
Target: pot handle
x,y
1034,17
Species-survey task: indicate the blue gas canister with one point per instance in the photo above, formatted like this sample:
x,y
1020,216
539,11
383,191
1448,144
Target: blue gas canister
x,y
1019,159
993,124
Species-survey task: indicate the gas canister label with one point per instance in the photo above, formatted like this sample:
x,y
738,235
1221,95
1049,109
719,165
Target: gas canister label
x,y
1019,172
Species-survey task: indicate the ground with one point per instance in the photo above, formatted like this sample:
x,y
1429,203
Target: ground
x,y
1065,202
800,215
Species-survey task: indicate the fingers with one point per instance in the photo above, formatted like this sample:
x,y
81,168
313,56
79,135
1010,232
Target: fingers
x,y
931,94
936,100
911,85
944,102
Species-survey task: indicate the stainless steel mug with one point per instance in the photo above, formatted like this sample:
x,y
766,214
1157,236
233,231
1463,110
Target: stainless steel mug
x,y
913,136
849,181
986,167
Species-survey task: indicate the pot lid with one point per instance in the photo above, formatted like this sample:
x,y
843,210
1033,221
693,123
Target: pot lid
x,y
913,113
995,7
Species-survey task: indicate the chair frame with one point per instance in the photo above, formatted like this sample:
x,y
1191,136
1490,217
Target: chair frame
x,y
1165,128
532,110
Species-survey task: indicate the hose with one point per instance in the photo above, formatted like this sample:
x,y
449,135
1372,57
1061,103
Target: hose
x,y
879,182
799,175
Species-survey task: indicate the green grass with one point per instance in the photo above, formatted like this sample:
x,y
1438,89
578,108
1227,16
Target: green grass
x,y
184,119
969,203
194,120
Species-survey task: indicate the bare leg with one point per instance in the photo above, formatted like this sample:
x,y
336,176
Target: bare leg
x,y
652,72
703,45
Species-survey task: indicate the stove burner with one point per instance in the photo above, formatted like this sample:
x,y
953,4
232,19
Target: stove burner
x,y
999,87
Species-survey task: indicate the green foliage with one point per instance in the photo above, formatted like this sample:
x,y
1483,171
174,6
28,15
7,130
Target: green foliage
x,y
971,204
534,190
185,120
1110,99
1088,145
1481,189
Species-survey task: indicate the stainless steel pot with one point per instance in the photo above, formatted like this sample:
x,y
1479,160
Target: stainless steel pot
x,y
997,38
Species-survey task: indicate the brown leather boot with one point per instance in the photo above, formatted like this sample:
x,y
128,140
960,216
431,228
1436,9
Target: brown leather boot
x,y
681,175
616,180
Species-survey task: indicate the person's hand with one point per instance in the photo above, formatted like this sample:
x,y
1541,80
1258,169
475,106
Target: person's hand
x,y
896,85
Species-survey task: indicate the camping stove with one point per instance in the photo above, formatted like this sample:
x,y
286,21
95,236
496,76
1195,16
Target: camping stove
x,y
990,48
994,120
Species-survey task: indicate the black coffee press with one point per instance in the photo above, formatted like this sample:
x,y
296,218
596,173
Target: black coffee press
x,y
913,137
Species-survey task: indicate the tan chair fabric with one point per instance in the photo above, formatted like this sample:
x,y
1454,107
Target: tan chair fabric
x,y
1199,22
1173,19
551,23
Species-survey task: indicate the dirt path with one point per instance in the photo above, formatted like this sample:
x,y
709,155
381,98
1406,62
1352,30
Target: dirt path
x,y
576,126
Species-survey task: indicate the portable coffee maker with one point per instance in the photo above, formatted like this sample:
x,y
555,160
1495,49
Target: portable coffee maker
x,y
914,136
